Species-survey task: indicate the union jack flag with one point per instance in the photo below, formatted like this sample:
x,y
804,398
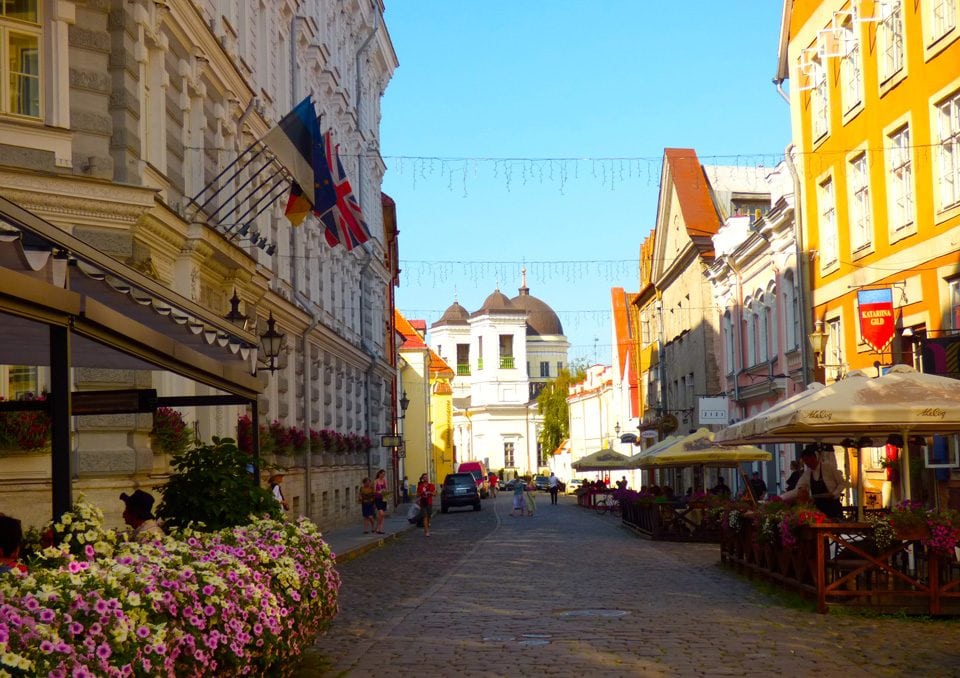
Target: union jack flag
x,y
347,224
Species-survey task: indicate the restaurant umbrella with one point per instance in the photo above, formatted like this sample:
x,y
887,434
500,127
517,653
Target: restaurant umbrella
x,y
742,431
636,460
902,402
602,460
699,448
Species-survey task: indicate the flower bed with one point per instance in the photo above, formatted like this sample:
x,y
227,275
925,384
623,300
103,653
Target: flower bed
x,y
239,601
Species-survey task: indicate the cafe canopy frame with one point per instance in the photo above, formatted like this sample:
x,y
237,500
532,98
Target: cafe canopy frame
x,y
65,304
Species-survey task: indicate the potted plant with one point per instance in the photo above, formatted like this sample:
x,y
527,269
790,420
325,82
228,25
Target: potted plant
x,y
26,430
170,433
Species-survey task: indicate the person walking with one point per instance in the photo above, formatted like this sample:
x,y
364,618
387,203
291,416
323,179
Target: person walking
x,y
379,498
554,487
368,506
425,492
405,490
276,489
530,500
518,501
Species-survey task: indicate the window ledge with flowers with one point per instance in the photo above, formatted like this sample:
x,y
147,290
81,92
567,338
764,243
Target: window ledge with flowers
x,y
288,444
26,431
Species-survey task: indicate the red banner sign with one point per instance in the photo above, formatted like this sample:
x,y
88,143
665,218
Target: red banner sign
x,y
877,324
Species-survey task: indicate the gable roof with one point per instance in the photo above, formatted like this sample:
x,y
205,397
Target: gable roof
x,y
693,192
623,322
412,340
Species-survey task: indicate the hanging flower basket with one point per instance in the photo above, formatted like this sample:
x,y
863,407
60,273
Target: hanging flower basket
x,y
26,430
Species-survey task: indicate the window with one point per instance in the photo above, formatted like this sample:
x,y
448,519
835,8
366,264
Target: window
x,y
819,104
559,367
463,359
944,18
761,328
900,179
860,235
544,368
506,351
20,48
890,38
508,461
833,351
773,340
955,304
22,382
828,225
948,129
851,69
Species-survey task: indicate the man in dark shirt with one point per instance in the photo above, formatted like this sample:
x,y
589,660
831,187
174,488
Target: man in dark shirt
x,y
757,486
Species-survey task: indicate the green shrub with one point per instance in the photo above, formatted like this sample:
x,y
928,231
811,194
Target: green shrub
x,y
213,486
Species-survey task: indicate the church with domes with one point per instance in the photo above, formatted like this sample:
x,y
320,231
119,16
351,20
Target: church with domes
x,y
503,354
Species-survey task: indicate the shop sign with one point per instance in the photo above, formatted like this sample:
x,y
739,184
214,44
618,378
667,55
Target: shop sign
x,y
714,411
877,325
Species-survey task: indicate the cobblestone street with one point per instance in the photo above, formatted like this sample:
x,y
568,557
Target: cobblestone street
x,y
569,592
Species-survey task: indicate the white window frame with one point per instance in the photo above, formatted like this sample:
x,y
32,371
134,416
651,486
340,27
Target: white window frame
x,y
748,335
858,172
761,328
791,318
773,322
899,179
890,41
943,18
953,287
833,351
827,209
35,31
948,151
819,105
852,69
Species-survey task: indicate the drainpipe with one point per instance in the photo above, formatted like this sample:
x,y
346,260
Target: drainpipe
x,y
801,264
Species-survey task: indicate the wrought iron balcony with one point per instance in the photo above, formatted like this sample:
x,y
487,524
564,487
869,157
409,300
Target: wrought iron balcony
x,y
506,362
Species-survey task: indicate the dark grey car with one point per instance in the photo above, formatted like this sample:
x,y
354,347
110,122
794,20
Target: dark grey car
x,y
459,489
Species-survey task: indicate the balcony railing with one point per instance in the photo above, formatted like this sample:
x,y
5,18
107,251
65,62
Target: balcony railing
x,y
506,362
463,369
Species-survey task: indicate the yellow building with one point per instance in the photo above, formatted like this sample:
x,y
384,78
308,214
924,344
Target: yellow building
x,y
427,425
874,90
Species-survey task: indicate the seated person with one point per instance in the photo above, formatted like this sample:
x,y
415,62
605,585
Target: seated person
x,y
11,539
721,489
822,481
138,514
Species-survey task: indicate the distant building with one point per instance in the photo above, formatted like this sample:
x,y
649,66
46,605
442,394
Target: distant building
x,y
504,353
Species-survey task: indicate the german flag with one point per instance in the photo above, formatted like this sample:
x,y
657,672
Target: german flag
x,y
298,206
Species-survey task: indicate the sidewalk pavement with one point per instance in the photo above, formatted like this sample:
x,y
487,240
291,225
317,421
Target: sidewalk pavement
x,y
350,542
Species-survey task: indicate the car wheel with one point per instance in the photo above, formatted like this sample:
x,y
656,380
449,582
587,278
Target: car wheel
x,y
477,507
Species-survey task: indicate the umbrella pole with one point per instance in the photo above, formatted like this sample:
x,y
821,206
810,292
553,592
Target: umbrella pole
x,y
905,465
860,492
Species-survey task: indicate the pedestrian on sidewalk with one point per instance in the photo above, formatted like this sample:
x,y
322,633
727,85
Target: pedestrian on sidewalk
x,y
425,492
379,498
554,486
405,490
368,507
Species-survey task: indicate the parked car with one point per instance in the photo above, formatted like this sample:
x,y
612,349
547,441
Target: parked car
x,y
459,489
480,476
541,482
574,485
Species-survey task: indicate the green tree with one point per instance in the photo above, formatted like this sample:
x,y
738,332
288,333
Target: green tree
x,y
212,485
552,406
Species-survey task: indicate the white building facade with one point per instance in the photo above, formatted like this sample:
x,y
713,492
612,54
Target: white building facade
x,y
131,111
504,353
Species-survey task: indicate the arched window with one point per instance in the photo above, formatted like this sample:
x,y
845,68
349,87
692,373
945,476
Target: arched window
x,y
761,327
748,337
773,321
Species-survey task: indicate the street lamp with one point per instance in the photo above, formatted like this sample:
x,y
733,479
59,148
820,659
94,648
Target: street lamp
x,y
616,429
271,343
235,316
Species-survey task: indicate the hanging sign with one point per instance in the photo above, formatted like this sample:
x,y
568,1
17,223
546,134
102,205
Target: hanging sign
x,y
714,410
876,318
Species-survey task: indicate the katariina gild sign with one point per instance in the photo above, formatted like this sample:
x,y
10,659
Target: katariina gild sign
x,y
877,325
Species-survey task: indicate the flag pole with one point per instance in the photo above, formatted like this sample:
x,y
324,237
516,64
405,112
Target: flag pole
x,y
224,171
259,212
242,186
267,194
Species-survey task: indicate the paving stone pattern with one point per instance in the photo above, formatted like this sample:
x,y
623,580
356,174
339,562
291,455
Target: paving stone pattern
x,y
568,593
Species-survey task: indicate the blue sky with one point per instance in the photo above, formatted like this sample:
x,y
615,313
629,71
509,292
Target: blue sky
x,y
532,131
